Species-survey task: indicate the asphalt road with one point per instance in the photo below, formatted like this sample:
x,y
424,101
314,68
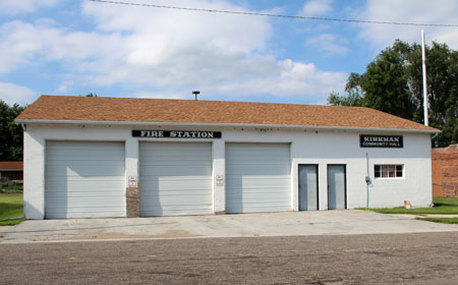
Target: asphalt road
x,y
424,258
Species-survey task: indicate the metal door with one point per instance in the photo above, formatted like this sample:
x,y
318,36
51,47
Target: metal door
x,y
337,187
308,187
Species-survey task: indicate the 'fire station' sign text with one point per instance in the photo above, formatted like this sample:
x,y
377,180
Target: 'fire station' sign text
x,y
176,134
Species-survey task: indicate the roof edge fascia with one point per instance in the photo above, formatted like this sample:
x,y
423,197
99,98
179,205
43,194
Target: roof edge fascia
x,y
127,123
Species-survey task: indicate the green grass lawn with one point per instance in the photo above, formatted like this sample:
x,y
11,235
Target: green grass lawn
x,y
442,206
440,220
11,207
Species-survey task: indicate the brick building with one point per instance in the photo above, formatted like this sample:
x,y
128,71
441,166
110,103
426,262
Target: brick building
x,y
445,171
11,170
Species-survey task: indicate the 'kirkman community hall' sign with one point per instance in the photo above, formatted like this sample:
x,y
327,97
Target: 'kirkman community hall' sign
x,y
381,141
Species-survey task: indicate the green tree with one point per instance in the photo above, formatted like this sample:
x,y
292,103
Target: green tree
x,y
352,99
10,133
392,83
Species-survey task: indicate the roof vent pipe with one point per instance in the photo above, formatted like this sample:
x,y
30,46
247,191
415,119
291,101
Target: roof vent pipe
x,y
195,94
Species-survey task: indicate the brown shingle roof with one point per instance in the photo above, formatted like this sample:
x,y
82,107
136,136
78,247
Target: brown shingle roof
x,y
11,165
103,109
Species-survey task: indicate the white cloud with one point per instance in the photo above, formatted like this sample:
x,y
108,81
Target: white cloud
x,y
290,79
329,43
24,44
156,95
12,93
168,51
65,87
418,11
317,7
24,6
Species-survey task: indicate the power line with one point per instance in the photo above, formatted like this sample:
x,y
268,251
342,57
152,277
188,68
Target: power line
x,y
313,18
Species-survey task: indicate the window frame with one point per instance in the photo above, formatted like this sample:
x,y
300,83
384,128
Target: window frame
x,y
389,169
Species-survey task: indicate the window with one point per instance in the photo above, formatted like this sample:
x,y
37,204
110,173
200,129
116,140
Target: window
x,y
388,171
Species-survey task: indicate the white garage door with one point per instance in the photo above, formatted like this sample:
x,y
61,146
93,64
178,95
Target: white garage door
x,y
175,179
85,180
258,178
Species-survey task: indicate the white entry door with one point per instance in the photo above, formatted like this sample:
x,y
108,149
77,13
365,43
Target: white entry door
x,y
175,179
258,178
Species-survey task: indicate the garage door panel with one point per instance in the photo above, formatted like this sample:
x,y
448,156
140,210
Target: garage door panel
x,y
187,197
184,163
181,152
63,146
178,190
175,190
170,170
272,204
82,172
280,191
85,179
258,182
77,165
82,212
83,159
258,208
82,195
175,179
260,170
253,158
174,157
96,212
84,188
78,156
178,211
186,208
113,201
92,182
189,202
258,178
254,181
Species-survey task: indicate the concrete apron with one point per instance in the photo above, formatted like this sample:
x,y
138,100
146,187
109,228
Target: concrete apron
x,y
246,225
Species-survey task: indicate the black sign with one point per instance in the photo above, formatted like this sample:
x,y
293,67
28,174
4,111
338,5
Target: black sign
x,y
381,141
176,134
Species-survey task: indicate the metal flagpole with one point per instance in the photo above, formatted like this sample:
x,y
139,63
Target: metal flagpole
x,y
425,86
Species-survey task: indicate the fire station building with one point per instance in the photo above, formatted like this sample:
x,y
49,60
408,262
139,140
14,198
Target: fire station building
x,y
88,157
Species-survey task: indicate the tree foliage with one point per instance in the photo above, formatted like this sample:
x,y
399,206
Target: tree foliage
x,y
392,83
10,133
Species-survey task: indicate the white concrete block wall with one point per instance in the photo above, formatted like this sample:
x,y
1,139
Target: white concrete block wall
x,y
132,163
34,175
307,147
219,166
415,186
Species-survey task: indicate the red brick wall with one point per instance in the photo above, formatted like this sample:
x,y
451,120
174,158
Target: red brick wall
x,y
445,171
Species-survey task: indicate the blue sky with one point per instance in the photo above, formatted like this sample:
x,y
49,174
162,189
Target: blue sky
x,y
76,47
